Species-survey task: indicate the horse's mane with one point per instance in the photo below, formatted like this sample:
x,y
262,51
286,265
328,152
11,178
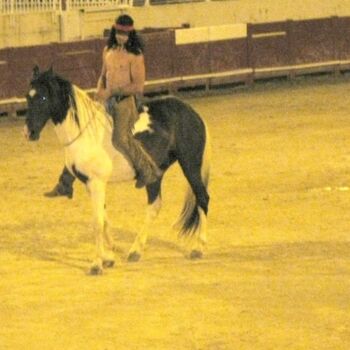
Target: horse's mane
x,y
82,103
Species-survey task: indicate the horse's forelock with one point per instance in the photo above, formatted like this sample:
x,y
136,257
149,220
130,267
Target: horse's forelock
x,y
45,81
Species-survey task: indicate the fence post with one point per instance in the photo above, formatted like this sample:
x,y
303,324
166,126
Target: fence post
x,y
336,44
290,48
65,5
250,55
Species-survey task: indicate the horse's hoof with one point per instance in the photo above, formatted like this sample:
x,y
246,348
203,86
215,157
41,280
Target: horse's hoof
x,y
96,270
108,263
134,257
196,254
116,249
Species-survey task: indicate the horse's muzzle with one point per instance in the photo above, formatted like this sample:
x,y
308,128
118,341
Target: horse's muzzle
x,y
30,135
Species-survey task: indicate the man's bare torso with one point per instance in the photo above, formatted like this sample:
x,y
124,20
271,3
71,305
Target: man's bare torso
x,y
118,62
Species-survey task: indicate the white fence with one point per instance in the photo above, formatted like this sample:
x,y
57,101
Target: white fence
x,y
96,4
26,6
23,6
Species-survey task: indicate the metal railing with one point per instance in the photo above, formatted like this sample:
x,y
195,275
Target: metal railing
x,y
25,6
96,4
169,2
30,6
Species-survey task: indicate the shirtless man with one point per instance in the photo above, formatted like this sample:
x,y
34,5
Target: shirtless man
x,y
122,78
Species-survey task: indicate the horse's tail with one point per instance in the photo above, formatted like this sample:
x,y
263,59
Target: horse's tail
x,y
196,205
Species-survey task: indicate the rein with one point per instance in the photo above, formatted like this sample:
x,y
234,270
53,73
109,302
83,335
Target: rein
x,y
81,133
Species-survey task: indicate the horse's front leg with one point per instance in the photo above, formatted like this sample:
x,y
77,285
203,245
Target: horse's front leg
x,y
110,243
97,190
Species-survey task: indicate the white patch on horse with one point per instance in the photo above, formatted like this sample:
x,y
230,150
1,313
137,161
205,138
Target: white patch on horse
x,y
32,93
143,123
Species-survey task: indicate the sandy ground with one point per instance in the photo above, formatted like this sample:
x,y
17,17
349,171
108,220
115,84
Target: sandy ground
x,y
276,273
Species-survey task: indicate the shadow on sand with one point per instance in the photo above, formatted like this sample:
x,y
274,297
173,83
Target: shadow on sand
x,y
23,240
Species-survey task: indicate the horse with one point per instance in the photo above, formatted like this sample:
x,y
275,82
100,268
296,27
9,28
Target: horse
x,y
169,130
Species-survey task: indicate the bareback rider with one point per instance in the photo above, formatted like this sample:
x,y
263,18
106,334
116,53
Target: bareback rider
x,y
122,79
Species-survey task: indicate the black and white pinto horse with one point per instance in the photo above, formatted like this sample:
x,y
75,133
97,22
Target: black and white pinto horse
x,y
169,129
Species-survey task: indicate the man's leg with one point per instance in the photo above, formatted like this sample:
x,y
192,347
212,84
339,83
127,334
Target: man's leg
x,y
64,186
125,115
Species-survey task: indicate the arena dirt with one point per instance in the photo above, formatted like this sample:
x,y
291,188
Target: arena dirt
x,y
276,271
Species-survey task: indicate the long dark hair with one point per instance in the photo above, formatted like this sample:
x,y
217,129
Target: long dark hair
x,y
134,44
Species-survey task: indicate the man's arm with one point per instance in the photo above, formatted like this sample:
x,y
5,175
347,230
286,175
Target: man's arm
x,y
102,83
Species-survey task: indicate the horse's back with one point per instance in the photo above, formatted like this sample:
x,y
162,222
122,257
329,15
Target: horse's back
x,y
171,110
177,130
177,117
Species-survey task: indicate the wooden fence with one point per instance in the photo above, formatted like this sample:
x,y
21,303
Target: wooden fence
x,y
180,58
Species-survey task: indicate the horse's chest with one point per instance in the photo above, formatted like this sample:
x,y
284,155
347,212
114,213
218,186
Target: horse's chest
x,y
88,161
100,162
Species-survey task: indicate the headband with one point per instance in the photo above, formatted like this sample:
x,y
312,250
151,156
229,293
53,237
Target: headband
x,y
123,28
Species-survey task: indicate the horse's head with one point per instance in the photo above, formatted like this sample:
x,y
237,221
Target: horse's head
x,y
48,98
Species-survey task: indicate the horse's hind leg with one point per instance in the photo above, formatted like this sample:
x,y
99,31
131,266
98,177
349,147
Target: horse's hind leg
x,y
200,231
200,237
194,216
154,205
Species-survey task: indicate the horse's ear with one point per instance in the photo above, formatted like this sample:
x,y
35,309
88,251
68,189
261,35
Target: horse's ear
x,y
36,71
50,71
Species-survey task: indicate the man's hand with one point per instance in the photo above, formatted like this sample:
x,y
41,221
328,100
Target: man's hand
x,y
102,95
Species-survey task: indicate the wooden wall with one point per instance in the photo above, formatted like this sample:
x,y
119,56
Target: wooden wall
x,y
177,58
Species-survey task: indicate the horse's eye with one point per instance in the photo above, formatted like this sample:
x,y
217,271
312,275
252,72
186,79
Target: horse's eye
x,y
43,98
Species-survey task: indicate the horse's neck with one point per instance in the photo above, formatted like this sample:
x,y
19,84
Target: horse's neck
x,y
89,117
68,130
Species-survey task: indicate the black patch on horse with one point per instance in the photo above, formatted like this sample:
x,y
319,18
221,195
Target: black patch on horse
x,y
79,175
179,134
60,93
176,126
